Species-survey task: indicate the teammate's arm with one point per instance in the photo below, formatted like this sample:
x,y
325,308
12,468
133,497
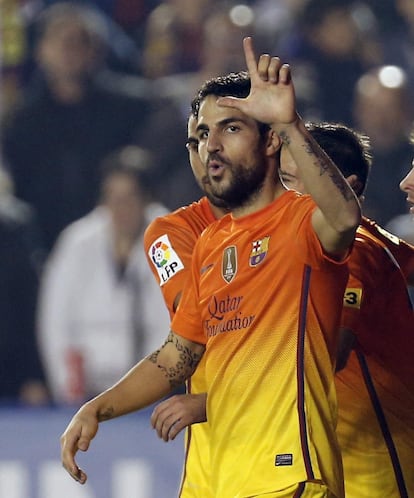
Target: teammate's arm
x,y
174,414
148,381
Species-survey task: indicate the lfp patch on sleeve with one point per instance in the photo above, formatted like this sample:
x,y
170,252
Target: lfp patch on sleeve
x,y
165,259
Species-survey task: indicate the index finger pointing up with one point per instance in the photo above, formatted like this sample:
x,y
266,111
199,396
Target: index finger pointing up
x,y
250,57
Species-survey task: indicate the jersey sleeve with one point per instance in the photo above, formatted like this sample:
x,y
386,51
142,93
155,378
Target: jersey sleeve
x,y
308,245
402,251
187,319
169,251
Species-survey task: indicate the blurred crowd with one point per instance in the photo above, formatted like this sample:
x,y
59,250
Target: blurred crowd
x,y
94,100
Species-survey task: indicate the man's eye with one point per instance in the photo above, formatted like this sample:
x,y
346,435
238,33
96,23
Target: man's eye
x,y
233,128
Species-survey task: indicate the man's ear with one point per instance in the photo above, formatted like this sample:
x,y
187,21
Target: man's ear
x,y
355,184
273,142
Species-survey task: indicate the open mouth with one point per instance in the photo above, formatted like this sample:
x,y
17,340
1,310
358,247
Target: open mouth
x,y
215,168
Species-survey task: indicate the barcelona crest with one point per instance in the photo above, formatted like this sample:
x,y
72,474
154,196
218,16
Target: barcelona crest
x,y
259,251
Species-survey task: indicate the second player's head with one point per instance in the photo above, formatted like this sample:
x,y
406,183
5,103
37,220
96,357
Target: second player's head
x,y
348,149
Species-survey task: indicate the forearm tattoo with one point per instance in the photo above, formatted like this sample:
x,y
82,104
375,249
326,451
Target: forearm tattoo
x,y
284,137
106,415
324,166
183,369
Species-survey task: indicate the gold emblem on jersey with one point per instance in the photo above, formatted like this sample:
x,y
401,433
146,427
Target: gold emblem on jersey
x,y
259,251
353,297
229,263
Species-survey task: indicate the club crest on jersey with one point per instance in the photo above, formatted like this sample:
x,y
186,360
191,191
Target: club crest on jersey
x,y
164,258
259,251
229,263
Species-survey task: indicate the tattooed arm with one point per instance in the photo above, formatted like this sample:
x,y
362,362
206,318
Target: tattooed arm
x,y
338,213
147,382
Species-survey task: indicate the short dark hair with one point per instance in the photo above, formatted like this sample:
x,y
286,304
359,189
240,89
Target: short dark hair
x,y
349,149
231,85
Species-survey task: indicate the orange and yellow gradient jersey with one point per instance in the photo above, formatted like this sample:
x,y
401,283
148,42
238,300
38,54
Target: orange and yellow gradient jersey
x,y
169,243
376,389
267,301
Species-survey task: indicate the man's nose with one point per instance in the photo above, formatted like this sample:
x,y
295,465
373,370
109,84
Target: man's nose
x,y
213,142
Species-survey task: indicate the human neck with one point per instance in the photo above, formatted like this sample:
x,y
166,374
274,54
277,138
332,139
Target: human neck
x,y
265,196
218,212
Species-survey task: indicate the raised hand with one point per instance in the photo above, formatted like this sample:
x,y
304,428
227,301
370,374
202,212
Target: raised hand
x,y
272,96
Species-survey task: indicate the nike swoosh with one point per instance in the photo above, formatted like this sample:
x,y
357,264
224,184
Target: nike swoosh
x,y
205,268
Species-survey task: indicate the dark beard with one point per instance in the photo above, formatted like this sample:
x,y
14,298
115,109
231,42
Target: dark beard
x,y
205,186
243,188
216,201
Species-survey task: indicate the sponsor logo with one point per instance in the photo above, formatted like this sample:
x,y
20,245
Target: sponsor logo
x,y
226,315
259,251
353,297
229,263
284,459
165,259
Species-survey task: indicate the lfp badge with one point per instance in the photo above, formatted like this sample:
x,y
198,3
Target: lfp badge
x,y
165,259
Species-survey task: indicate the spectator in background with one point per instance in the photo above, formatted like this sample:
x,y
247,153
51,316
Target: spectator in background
x,y
69,119
398,44
329,53
274,20
173,37
132,16
13,52
383,109
21,217
100,308
21,372
386,14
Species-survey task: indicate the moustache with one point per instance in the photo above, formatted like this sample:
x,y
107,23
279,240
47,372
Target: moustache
x,y
215,157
